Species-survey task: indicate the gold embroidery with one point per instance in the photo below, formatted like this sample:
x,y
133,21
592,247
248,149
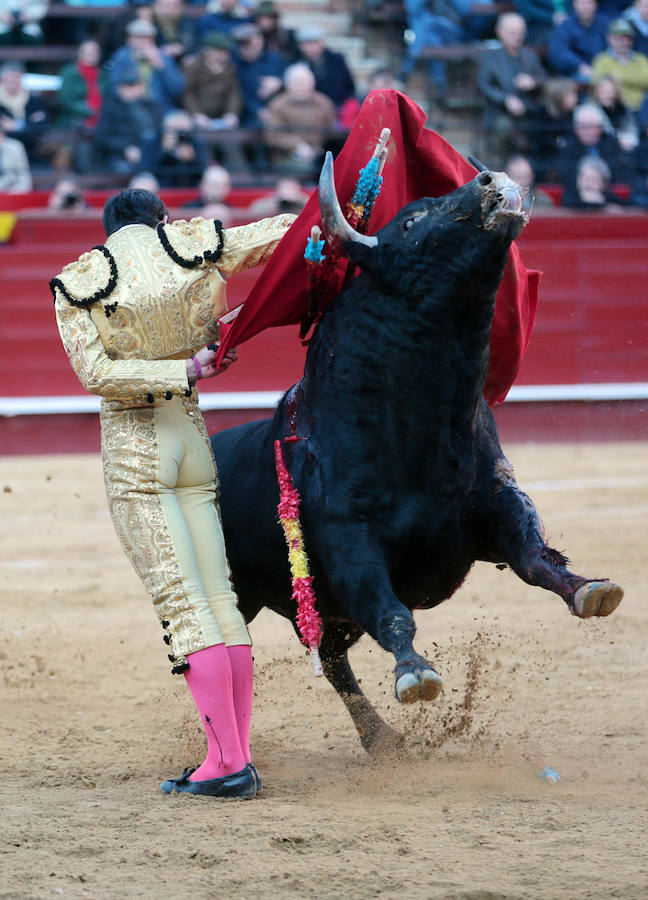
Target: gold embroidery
x,y
252,245
100,373
87,275
130,454
163,310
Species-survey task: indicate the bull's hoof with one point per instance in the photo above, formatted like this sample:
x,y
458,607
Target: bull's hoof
x,y
384,743
425,684
596,598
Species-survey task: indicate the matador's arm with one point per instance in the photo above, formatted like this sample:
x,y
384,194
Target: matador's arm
x,y
244,247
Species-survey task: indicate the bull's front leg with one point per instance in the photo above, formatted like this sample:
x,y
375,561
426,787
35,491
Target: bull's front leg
x,y
376,736
517,538
358,576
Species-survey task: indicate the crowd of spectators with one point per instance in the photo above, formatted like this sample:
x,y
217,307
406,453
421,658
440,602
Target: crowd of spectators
x,y
189,98
561,83
172,93
576,106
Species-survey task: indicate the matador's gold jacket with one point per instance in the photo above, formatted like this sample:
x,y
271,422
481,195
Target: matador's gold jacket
x,y
130,313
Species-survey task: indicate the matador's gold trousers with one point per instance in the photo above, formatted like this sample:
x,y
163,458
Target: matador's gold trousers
x,y
161,483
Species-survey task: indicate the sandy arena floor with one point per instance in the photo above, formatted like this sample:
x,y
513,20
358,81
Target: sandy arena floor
x,y
92,722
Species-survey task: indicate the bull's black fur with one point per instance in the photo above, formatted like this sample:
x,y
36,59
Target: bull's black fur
x,y
403,481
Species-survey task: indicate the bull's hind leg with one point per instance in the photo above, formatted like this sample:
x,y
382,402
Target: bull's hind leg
x,y
376,736
517,538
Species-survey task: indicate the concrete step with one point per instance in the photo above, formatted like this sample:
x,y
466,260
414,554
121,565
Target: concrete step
x,y
338,28
287,7
363,69
330,23
351,47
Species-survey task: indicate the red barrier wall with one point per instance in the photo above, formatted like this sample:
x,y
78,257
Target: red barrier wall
x,y
591,326
592,321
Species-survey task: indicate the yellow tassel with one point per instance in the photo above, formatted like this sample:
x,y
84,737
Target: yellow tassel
x,y
296,554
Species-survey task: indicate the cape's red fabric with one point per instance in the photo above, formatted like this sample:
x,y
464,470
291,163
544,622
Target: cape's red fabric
x,y
420,163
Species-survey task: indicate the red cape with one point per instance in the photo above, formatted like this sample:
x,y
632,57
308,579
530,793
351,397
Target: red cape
x,y
419,164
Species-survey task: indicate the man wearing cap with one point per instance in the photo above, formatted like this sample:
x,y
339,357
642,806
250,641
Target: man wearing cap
x,y
276,37
213,93
625,65
213,96
163,81
332,75
260,72
129,125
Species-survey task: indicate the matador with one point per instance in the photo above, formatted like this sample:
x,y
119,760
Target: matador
x,y
136,317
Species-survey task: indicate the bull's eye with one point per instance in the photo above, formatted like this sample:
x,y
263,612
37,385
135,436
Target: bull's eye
x,y
418,214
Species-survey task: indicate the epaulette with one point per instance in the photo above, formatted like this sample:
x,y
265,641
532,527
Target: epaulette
x,y
91,278
188,243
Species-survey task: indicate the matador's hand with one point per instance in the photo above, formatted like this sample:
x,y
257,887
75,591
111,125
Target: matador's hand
x,y
230,357
203,363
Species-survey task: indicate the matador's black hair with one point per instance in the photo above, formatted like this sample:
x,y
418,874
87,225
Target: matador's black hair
x,y
133,207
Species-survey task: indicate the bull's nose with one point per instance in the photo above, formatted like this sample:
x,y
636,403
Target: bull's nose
x,y
512,197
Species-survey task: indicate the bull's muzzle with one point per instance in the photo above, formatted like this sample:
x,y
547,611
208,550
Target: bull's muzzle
x,y
502,198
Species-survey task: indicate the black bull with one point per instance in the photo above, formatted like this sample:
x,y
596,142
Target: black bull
x,y
398,463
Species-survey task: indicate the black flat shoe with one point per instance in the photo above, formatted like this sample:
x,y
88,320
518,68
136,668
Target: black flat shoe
x,y
256,776
238,786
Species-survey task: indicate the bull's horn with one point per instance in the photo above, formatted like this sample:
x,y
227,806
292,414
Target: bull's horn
x,y
478,165
336,228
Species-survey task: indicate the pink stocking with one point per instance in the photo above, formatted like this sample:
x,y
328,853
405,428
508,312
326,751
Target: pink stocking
x,y
240,658
209,677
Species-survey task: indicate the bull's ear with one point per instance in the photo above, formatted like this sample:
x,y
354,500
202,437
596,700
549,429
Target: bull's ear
x,y
340,236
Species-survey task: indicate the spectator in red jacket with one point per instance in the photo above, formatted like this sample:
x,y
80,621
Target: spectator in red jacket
x,y
83,84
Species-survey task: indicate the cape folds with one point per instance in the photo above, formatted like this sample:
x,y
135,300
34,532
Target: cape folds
x,y
420,163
